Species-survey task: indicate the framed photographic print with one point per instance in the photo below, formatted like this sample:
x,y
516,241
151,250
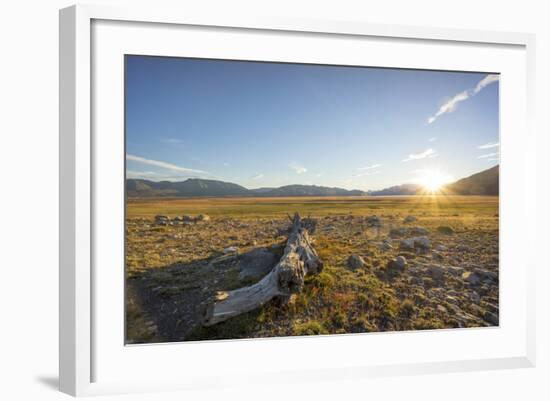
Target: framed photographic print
x,y
296,197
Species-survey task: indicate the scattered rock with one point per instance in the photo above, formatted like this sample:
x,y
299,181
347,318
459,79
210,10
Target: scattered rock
x,y
407,245
441,248
463,248
161,220
374,221
398,232
203,217
445,230
385,246
422,242
397,265
471,278
355,262
486,275
419,231
409,219
491,318
474,297
455,270
436,271
231,249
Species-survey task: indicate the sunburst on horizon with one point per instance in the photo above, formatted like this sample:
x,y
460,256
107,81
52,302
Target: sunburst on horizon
x,y
433,180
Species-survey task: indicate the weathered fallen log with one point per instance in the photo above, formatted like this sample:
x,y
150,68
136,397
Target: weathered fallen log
x,y
286,278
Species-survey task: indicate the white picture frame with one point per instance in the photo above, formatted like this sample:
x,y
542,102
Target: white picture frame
x,y
80,348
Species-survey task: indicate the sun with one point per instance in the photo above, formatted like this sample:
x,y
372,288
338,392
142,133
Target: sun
x,y
433,180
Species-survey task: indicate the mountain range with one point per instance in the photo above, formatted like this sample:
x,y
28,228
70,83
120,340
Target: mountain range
x,y
482,183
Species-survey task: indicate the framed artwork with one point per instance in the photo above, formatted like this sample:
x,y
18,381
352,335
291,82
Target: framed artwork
x,y
270,191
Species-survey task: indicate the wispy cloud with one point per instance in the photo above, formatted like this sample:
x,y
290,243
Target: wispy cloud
x,y
371,167
489,79
366,173
432,139
422,155
489,145
172,140
152,175
298,169
164,165
488,155
451,104
258,176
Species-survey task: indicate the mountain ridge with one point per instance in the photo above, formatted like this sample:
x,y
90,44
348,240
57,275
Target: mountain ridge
x,y
482,183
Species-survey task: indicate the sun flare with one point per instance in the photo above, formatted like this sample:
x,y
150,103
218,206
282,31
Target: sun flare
x,y
433,180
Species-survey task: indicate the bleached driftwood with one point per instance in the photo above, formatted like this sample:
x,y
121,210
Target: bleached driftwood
x,y
286,278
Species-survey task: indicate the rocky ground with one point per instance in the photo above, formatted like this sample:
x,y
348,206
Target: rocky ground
x,y
382,272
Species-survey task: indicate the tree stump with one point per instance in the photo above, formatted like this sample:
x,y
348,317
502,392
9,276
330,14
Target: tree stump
x,y
286,278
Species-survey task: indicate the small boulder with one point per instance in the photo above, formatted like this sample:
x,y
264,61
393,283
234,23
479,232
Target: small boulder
x,y
445,230
203,217
463,248
419,231
409,219
475,298
471,277
436,271
491,317
385,246
422,242
398,232
406,245
231,249
486,275
374,221
397,265
355,262
455,270
440,248
162,220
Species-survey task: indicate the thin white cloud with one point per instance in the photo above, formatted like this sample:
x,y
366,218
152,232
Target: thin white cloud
x,y
164,165
298,169
488,155
450,105
422,155
373,166
172,140
484,82
432,139
152,175
258,176
367,173
489,145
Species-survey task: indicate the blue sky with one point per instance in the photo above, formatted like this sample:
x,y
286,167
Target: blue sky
x,y
271,124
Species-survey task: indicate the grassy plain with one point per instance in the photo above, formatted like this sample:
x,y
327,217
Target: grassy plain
x,y
169,269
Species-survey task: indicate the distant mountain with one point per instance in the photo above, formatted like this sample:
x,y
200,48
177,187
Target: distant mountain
x,y
404,189
311,190
192,187
482,183
137,188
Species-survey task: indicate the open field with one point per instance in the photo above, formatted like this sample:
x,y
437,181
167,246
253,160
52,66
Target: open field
x,y
449,277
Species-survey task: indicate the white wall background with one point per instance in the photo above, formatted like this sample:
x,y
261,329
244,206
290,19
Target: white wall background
x,y
29,199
